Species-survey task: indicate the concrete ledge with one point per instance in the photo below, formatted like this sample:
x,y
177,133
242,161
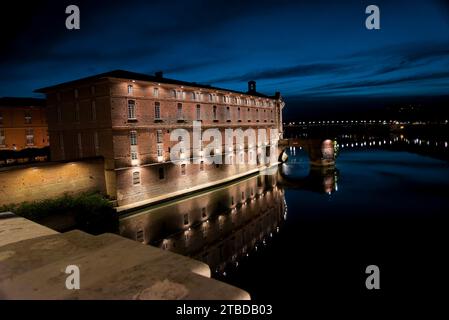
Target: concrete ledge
x,y
111,267
14,228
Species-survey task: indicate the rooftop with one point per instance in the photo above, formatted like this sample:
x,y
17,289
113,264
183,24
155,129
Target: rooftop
x,y
123,74
21,102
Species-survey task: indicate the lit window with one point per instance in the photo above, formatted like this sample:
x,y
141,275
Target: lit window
x,y
179,112
130,89
2,137
134,155
156,92
136,177
27,117
157,110
29,136
159,136
160,150
198,112
133,138
131,109
183,169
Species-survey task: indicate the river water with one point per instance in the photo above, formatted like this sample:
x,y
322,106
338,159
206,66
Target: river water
x,y
316,231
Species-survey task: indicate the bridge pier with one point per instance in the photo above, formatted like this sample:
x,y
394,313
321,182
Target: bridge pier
x,y
321,152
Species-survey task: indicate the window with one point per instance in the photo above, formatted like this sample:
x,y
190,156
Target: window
x,y
186,219
161,173
215,113
179,112
228,114
202,166
193,96
27,117
61,142
238,114
136,177
130,89
1,118
96,144
157,110
80,146
77,112
29,133
225,99
59,114
76,93
159,136
210,97
133,138
160,150
198,112
93,111
183,169
203,212
156,92
2,137
133,155
173,94
131,109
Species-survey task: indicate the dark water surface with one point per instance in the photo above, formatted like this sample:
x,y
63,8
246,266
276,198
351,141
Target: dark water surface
x,y
313,232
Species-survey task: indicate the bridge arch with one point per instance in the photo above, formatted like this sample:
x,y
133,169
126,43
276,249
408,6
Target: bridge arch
x,y
322,152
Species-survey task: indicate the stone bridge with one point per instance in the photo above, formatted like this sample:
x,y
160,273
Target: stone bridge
x,y
321,152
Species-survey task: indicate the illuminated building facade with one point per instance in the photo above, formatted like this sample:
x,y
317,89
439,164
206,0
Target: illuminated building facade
x,y
23,123
127,118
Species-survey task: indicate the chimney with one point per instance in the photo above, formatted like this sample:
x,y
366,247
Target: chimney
x,y
159,74
251,86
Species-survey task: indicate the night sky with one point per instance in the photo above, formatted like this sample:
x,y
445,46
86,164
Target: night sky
x,y
318,54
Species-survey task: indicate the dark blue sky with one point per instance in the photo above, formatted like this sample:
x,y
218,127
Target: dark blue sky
x,y
310,51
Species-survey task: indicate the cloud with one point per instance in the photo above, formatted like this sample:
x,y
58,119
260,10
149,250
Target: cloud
x,y
300,70
384,82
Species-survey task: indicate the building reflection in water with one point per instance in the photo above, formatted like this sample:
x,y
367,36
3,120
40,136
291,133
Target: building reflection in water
x,y
221,226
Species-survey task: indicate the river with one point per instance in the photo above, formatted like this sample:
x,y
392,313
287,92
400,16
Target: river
x,y
316,231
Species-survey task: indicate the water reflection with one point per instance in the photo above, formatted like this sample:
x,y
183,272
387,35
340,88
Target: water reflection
x,y
222,226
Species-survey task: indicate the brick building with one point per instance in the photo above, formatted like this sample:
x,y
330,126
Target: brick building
x,y
23,123
127,118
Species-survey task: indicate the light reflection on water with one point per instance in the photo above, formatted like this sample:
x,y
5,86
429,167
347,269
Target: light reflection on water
x,y
243,232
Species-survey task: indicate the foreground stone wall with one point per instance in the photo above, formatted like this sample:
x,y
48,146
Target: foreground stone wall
x,y
50,180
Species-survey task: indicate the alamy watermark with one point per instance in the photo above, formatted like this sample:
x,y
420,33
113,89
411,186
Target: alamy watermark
x,y
260,147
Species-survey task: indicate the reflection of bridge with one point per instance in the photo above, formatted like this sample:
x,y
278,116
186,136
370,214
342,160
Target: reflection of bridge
x,y
323,179
321,152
